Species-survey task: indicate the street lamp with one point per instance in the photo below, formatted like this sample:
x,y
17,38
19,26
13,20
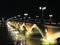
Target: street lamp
x,y
29,17
42,8
25,14
36,18
2,19
50,18
15,17
20,18
18,15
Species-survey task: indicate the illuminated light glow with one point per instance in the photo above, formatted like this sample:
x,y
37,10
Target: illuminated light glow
x,y
18,15
15,17
8,22
21,27
28,26
16,26
29,17
43,8
15,32
25,14
15,35
23,24
21,43
46,30
29,32
40,8
10,28
2,18
52,38
37,16
38,29
50,15
44,41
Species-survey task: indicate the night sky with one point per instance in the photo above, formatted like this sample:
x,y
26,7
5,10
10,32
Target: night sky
x,y
9,8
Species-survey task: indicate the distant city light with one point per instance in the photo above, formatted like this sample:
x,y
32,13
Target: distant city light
x,y
21,18
15,17
42,8
2,19
18,15
50,16
46,30
25,14
24,17
37,16
29,17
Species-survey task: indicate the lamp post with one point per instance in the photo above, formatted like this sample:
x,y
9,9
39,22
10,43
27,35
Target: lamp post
x,y
50,18
42,8
25,14
19,18
2,19
29,19
37,19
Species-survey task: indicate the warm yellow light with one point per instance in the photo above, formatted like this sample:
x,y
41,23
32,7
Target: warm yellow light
x,y
52,38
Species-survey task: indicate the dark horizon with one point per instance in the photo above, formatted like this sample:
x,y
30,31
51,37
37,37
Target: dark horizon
x,y
13,8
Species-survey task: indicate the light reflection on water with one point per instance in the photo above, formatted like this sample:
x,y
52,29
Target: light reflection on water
x,y
33,41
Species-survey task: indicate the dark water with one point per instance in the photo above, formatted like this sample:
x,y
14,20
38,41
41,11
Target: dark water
x,y
4,39
33,41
